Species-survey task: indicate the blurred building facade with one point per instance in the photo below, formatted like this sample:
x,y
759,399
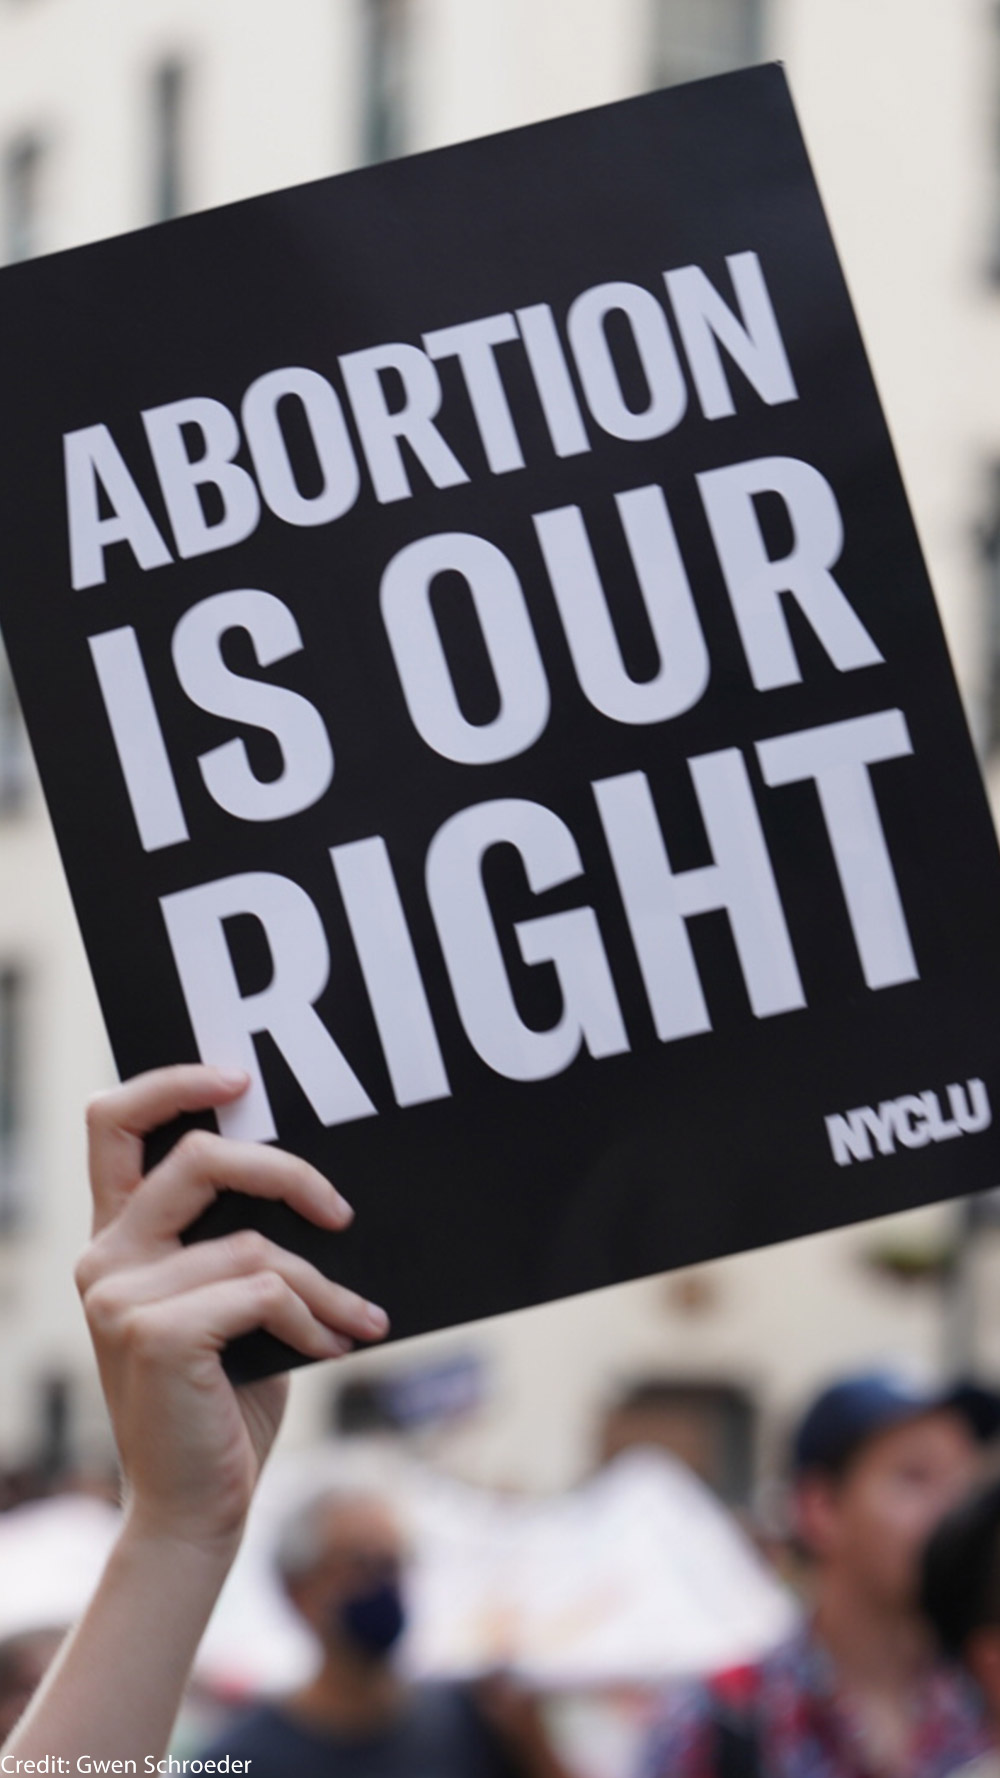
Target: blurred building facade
x,y
116,113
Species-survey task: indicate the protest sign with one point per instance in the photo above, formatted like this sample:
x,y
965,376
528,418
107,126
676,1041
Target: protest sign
x,y
486,684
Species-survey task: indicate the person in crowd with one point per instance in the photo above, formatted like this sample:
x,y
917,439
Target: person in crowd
x,y
191,1444
960,1594
858,1690
342,1561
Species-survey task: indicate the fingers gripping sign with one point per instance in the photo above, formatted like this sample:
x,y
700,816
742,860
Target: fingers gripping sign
x,y
119,1121
161,1313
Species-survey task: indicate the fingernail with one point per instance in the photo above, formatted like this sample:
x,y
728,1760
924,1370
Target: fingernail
x,y
376,1318
344,1210
233,1077
339,1344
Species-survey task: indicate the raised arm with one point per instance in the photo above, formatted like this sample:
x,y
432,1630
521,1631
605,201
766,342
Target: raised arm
x,y
191,1445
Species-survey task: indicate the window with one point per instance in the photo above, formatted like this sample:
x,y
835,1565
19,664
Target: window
x,y
693,38
710,1426
992,50
991,563
169,103
15,765
11,1095
23,162
54,1451
385,78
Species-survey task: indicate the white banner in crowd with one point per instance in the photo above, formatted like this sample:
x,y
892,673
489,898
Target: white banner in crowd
x,y
633,1577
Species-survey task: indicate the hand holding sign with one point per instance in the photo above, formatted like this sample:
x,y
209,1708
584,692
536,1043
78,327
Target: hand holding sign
x,y
160,1313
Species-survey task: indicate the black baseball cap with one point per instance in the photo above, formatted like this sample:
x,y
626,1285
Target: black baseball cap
x,y
856,1408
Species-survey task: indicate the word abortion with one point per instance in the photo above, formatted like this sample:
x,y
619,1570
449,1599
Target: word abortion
x,y
375,376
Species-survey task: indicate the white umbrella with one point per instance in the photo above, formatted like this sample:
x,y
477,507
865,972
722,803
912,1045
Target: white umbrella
x,y
51,1556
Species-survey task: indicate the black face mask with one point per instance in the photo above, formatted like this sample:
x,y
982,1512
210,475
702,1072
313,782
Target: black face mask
x,y
371,1622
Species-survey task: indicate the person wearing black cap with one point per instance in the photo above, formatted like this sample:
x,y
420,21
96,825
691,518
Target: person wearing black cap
x,y
857,1691
960,1594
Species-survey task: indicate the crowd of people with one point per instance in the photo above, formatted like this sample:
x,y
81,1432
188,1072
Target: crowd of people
x,y
893,1670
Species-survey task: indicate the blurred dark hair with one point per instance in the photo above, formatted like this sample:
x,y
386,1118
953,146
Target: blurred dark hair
x,y
960,1571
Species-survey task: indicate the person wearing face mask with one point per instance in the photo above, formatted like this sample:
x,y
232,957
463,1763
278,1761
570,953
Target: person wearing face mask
x,y
342,1562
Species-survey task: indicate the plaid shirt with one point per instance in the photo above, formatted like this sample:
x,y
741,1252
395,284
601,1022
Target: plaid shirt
x,y
802,1726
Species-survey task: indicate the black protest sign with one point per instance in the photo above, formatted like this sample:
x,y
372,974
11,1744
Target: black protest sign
x,y
486,684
